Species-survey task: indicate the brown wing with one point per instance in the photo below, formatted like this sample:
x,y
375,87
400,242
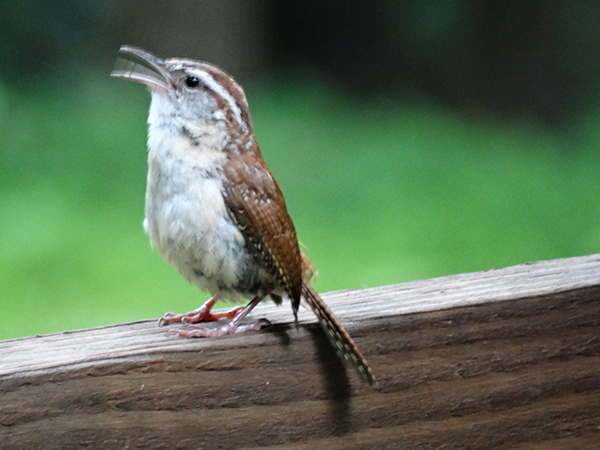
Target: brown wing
x,y
255,200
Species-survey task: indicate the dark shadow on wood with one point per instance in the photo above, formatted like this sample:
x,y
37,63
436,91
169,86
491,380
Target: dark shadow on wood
x,y
335,378
336,381
281,331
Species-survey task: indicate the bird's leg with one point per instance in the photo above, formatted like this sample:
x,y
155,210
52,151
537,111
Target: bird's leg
x,y
202,314
230,328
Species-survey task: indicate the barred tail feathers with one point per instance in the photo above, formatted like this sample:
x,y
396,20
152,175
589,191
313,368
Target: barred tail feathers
x,y
344,346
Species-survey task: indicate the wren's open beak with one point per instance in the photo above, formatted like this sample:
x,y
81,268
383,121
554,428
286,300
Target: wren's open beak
x,y
142,67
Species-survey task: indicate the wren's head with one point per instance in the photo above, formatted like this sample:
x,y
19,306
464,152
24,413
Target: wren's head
x,y
191,93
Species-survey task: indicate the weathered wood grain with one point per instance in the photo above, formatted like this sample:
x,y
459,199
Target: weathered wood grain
x,y
501,359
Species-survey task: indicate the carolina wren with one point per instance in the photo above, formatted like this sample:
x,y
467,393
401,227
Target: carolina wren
x,y
213,208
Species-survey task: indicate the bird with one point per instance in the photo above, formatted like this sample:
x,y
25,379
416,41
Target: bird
x,y
213,208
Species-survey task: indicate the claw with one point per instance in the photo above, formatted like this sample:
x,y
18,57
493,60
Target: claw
x,y
166,319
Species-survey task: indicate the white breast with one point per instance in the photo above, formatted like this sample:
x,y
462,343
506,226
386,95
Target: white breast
x,y
187,220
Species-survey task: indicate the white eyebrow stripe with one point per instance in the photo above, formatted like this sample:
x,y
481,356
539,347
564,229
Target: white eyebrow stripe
x,y
211,83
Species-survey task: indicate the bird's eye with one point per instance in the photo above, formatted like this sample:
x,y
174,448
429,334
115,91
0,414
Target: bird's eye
x,y
192,82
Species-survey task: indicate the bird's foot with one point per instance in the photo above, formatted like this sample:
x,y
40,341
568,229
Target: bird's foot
x,y
232,327
202,314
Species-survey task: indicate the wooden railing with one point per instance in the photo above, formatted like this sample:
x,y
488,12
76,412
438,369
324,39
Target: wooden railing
x,y
501,359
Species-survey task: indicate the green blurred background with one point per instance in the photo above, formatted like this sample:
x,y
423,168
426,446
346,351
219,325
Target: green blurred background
x,y
413,139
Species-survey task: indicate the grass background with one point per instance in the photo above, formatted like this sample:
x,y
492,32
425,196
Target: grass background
x,y
380,191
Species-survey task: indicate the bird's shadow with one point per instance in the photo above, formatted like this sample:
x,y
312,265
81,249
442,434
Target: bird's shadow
x,y
335,378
